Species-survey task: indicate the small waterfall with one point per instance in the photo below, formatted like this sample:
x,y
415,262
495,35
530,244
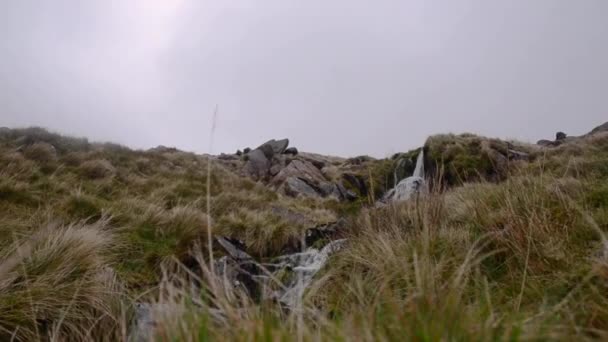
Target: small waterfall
x,y
409,186
419,171
305,266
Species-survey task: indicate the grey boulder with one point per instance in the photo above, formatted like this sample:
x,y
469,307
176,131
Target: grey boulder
x,y
277,146
296,187
257,165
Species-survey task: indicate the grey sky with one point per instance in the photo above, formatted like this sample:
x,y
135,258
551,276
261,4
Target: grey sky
x,y
343,77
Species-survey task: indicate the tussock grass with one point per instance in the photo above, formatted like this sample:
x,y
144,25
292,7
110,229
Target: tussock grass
x,y
41,152
97,169
514,255
57,284
264,233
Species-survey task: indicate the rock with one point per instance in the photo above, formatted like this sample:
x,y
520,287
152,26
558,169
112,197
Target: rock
x,y
560,136
295,187
277,146
257,165
518,155
267,150
239,153
300,169
275,169
326,231
318,164
405,190
356,182
347,194
404,167
278,163
231,248
359,160
304,267
246,150
240,269
303,177
292,150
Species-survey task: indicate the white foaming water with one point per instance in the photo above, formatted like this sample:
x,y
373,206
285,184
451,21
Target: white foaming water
x,y
305,266
419,171
410,186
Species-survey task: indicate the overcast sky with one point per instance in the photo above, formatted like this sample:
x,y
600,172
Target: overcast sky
x,y
342,77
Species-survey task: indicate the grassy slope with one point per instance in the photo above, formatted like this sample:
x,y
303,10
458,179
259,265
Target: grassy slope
x,y
519,259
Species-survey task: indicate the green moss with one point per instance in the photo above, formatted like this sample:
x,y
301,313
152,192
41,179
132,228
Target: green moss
x,y
465,158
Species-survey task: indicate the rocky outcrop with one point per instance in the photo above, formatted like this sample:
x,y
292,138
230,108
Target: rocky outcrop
x,y
561,137
296,271
292,151
290,172
296,187
457,159
258,165
300,169
276,146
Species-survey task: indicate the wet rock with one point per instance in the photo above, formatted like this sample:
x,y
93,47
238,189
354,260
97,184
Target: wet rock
x,y
304,267
240,269
356,182
347,194
329,231
405,190
234,249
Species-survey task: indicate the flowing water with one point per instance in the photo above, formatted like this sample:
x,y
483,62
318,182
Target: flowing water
x,y
304,267
301,268
409,186
419,171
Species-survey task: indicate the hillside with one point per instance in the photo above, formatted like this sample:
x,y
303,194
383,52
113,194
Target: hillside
x,y
499,240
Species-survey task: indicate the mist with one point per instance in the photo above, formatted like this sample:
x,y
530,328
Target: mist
x,y
342,77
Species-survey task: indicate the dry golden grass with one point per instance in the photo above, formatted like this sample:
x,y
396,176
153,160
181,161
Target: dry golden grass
x,y
57,284
520,259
